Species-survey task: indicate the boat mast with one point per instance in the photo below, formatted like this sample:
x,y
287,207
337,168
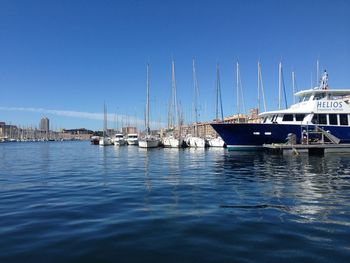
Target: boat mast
x,y
260,84
237,88
174,96
279,84
317,72
218,96
104,119
147,102
196,94
293,84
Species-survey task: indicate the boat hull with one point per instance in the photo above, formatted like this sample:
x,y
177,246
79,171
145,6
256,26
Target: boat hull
x,y
216,142
119,142
105,142
196,142
148,143
252,136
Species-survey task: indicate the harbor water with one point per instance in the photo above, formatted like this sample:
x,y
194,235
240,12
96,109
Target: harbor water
x,y
74,202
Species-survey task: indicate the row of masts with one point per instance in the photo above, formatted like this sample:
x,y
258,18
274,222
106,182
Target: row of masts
x,y
175,116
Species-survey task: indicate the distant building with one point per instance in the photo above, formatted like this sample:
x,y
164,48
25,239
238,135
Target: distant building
x,y
127,130
79,131
2,129
44,125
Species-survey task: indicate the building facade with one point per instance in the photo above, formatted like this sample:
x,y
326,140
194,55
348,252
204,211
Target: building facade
x,y
44,125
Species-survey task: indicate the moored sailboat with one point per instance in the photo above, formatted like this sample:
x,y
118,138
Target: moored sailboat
x,y
105,140
217,141
148,141
195,140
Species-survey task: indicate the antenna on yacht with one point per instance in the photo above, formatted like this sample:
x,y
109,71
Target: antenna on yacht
x,y
324,80
293,85
317,71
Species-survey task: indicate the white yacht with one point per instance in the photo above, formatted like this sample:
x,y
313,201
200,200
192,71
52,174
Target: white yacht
x,y
105,141
319,108
132,139
119,140
149,142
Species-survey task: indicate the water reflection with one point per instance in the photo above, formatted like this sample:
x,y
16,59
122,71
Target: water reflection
x,y
307,186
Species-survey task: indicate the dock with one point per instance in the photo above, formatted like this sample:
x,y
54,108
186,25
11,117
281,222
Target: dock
x,y
311,149
314,142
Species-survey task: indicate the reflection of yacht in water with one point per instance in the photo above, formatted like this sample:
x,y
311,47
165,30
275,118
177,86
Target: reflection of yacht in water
x,y
320,107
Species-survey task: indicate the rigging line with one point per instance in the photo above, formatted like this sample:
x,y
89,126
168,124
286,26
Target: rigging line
x,y
220,97
241,90
284,89
262,89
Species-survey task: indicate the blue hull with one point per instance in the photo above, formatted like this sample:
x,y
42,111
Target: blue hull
x,y
246,136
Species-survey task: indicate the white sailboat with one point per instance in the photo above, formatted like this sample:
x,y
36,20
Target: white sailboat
x,y
105,140
173,140
195,141
119,140
132,139
148,141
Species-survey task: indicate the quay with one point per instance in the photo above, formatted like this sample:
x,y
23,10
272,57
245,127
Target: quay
x,y
311,149
315,141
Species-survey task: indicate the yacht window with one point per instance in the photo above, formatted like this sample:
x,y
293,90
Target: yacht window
x,y
322,118
299,117
306,98
343,119
333,120
319,119
287,117
274,118
319,96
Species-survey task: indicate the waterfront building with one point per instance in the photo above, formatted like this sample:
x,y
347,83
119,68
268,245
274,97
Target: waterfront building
x,y
45,124
128,130
45,127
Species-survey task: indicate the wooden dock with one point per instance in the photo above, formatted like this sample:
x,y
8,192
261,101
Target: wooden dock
x,y
314,142
311,149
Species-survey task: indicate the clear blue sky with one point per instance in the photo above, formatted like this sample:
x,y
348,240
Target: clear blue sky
x,y
63,59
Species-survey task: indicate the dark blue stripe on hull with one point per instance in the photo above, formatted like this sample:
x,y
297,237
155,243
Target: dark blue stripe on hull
x,y
256,134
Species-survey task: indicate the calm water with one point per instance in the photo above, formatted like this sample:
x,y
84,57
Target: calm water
x,y
74,202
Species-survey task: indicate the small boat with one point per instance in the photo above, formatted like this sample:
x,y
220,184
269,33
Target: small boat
x,y
132,139
119,140
149,142
166,142
95,140
105,141
196,142
173,142
216,142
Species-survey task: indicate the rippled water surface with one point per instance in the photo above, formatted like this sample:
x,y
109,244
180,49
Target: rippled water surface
x,y
74,202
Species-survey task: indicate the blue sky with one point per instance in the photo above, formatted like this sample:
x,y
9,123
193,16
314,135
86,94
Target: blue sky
x,y
64,59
